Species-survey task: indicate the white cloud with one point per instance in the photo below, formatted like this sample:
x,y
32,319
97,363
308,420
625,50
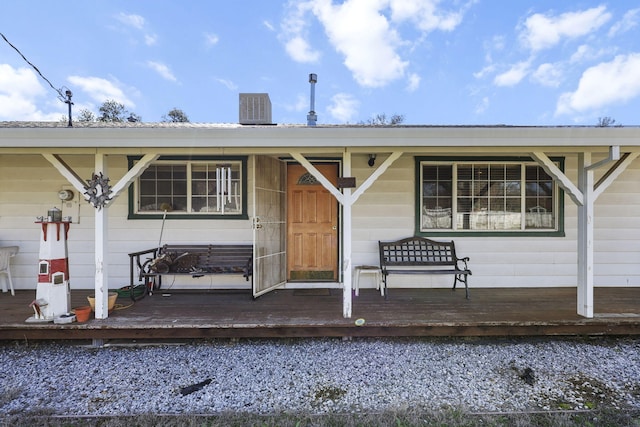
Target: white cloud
x,y
364,37
132,20
497,43
547,74
294,34
608,83
489,69
628,22
343,107
588,53
138,23
162,69
512,76
268,25
211,39
227,83
583,51
300,51
544,31
413,82
425,14
20,93
301,104
482,106
365,33
150,39
101,90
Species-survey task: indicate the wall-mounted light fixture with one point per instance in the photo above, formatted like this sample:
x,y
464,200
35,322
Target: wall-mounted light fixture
x,y
372,160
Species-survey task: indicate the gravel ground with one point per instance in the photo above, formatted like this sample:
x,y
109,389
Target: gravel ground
x,y
321,376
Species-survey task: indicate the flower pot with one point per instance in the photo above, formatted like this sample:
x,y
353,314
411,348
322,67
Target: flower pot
x,y
113,296
82,313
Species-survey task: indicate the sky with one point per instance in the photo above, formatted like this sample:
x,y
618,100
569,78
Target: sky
x,y
435,62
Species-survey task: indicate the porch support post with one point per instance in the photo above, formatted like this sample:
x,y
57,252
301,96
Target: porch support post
x,y
347,237
585,236
101,261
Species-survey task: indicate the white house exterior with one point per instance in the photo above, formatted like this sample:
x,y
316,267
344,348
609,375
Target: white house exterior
x,y
587,233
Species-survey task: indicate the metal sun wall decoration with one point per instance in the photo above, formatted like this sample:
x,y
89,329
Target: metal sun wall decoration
x,y
98,190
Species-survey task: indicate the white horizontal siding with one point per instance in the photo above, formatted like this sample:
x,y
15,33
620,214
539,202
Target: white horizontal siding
x,y
510,261
29,186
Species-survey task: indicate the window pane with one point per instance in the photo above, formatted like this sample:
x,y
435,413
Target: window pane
x,y
497,172
488,197
512,188
436,197
539,199
191,187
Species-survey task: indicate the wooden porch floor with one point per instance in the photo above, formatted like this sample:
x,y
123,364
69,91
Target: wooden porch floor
x,y
318,313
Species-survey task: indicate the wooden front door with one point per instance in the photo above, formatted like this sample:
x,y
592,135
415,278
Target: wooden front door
x,y
312,225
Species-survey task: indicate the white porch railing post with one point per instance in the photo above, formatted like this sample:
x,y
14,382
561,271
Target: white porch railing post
x,y
585,236
347,231
101,232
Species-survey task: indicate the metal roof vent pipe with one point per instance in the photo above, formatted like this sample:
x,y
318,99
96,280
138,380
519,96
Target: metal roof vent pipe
x,y
312,118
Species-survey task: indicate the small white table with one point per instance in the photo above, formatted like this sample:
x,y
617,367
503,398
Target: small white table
x,y
368,269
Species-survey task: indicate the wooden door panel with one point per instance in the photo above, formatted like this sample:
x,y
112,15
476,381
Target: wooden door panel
x,y
310,254
310,207
312,225
296,250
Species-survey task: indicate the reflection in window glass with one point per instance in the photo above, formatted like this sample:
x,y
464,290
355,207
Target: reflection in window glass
x,y
193,187
488,197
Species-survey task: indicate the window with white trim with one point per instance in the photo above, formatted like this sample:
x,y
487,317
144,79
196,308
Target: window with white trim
x,y
194,187
483,196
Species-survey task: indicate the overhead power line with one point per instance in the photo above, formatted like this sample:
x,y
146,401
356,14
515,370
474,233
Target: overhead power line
x,y
64,97
32,66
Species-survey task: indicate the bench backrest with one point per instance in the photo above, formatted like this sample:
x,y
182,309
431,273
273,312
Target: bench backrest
x,y
417,250
230,258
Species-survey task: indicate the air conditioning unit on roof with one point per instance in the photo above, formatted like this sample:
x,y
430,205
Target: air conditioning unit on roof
x,y
255,109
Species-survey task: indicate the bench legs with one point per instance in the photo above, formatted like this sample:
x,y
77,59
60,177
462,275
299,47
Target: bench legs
x,y
463,279
459,277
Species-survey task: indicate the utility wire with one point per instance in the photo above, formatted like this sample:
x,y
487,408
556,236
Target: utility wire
x,y
34,67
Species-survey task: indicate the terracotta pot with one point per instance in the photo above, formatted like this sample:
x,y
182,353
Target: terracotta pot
x,y
82,313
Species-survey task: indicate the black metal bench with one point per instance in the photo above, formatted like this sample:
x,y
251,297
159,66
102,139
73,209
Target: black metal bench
x,y
419,255
193,260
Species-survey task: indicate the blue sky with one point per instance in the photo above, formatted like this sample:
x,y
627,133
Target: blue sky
x,y
460,62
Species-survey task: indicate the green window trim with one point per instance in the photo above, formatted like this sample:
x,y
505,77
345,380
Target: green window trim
x,y
456,181
202,170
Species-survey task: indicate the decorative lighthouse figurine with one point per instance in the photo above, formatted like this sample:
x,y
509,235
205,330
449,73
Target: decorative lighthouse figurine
x,y
53,297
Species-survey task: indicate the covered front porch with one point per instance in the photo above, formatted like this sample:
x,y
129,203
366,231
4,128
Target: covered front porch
x,y
377,202
174,315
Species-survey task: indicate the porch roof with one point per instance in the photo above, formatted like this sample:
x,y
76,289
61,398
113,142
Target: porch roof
x,y
21,137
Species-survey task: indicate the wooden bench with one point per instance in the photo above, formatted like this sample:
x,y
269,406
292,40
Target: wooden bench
x,y
193,260
419,255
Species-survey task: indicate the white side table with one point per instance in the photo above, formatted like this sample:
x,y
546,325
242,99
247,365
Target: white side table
x,y
368,269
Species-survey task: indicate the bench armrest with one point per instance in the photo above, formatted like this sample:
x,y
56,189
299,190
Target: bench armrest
x,y
134,260
464,260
